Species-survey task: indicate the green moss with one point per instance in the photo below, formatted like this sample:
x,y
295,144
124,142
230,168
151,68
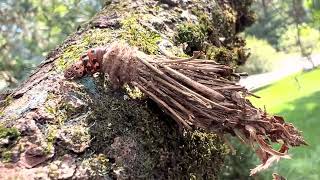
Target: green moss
x,y
66,110
99,165
160,147
52,107
200,148
224,20
204,20
97,37
6,156
221,55
196,34
6,102
9,133
192,34
136,35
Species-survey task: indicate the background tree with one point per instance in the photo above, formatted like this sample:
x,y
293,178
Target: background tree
x,y
298,13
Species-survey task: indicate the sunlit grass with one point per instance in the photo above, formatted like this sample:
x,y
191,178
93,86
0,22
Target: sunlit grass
x,y
297,98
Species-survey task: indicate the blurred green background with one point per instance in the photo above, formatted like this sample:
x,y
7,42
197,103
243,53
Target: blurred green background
x,y
30,28
285,38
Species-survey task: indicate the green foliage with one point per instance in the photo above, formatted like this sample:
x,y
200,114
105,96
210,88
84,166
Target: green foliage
x,y
314,7
30,28
297,99
270,26
276,17
262,56
309,38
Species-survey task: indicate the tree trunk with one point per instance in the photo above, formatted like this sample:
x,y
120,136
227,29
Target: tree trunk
x,y
265,9
54,128
299,14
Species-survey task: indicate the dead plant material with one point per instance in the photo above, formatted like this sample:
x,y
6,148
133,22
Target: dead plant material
x,y
196,93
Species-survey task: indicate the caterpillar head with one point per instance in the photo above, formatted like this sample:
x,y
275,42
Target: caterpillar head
x,y
76,70
88,63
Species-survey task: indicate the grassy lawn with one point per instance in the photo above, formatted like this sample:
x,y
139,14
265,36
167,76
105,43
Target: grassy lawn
x,y
299,103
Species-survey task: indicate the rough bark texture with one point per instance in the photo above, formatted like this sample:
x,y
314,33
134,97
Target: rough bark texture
x,y
53,128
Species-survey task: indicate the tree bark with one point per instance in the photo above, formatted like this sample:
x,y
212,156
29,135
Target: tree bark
x,y
54,128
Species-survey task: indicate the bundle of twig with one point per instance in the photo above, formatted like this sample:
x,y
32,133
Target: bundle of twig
x,y
196,93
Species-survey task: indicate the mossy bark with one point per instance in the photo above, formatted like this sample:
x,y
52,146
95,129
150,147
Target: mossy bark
x,y
102,133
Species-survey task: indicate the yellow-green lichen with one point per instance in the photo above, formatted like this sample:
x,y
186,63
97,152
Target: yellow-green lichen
x,y
79,134
137,35
57,108
70,54
99,165
59,115
51,136
98,37
133,92
52,108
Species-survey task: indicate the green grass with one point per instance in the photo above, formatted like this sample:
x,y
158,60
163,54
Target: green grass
x,y
299,103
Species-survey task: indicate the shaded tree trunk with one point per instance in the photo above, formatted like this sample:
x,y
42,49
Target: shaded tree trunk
x,y
53,128
265,8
